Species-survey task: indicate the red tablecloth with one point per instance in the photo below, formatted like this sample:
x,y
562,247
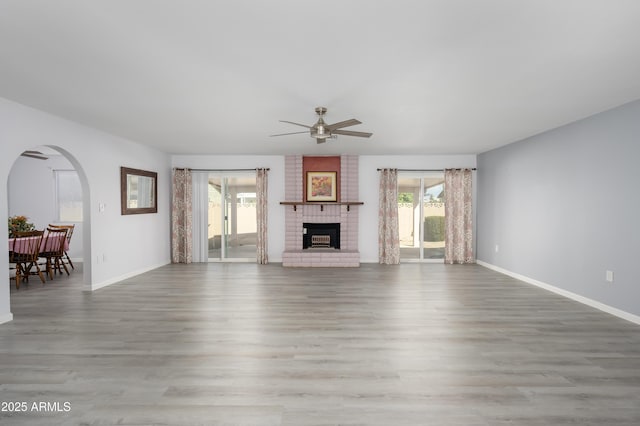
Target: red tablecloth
x,y
47,244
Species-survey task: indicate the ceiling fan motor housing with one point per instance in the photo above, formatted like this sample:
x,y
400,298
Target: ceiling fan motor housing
x,y
318,130
321,131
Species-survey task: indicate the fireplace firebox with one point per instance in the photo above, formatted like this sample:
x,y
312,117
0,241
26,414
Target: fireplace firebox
x,y
320,235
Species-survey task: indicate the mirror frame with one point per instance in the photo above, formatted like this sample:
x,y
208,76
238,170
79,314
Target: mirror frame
x,y
124,195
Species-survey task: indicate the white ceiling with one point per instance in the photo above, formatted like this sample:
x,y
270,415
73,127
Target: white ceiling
x,y
425,76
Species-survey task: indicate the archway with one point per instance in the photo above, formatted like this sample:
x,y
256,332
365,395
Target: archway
x,y
65,157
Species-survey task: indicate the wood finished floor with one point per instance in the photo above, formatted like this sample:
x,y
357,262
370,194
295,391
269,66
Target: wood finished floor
x,y
243,344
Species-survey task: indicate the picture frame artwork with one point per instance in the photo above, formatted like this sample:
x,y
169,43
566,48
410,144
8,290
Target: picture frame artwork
x,y
138,191
322,186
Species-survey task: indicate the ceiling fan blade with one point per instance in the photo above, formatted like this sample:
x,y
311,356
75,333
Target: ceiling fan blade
x,y
297,124
352,133
341,124
292,133
34,154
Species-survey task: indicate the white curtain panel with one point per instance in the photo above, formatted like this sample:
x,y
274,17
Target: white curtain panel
x,y
200,216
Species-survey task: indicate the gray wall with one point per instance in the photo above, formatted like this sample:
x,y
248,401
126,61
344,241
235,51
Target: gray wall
x,y
564,207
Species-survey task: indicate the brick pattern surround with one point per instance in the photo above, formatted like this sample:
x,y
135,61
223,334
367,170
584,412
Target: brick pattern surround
x,y
348,255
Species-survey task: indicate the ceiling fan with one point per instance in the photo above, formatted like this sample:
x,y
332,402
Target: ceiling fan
x,y
34,154
322,131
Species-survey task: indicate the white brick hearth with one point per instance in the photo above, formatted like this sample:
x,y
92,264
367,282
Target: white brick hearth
x,y
348,254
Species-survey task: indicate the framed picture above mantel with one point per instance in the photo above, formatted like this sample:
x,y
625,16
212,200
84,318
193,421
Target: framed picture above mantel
x,y
321,187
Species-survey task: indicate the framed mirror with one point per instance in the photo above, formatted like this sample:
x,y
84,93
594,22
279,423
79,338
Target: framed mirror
x,y
138,191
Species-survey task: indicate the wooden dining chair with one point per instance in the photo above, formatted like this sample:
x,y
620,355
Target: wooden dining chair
x,y
69,229
24,254
53,251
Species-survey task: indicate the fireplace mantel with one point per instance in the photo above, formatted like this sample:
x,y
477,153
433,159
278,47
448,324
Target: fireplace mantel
x,y
295,204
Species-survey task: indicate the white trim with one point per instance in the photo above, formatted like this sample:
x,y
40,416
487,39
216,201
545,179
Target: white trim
x,y
6,318
425,260
573,296
97,286
232,260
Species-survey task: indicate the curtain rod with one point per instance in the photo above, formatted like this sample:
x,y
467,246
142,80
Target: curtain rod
x,y
429,170
220,170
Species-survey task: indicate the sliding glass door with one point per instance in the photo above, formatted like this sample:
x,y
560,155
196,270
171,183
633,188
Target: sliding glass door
x,y
232,225
421,216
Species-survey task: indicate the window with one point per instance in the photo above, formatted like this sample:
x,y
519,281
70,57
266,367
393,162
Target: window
x,y
421,216
224,216
232,217
68,195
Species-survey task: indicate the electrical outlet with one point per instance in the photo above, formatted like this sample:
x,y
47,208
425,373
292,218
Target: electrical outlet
x,y
497,248
609,276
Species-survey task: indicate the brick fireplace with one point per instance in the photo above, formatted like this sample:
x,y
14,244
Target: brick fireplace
x,y
297,216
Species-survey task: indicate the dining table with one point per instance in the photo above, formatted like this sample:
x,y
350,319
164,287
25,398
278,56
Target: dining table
x,y
48,244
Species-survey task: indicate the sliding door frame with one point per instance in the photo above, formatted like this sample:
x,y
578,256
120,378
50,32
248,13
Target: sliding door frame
x,y
421,176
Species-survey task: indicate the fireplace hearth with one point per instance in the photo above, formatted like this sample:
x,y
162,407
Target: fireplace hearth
x,y
320,235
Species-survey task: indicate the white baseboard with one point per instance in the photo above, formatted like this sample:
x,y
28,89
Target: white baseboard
x,y
97,286
6,318
573,296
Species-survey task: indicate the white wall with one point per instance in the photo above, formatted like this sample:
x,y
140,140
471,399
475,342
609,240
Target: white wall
x,y
369,178
31,190
368,165
275,163
117,246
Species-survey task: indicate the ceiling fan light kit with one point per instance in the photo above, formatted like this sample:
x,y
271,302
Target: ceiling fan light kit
x,y
322,131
